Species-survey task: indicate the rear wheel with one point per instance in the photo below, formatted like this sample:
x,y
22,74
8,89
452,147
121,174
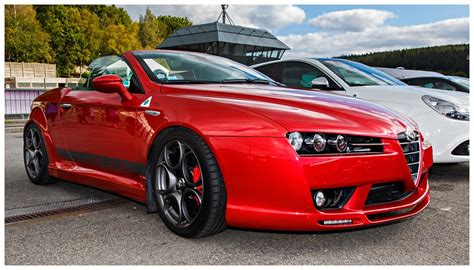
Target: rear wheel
x,y
188,186
35,156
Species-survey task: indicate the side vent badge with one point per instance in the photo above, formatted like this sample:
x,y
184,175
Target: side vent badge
x,y
146,103
152,113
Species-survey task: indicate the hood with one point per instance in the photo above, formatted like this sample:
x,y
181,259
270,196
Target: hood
x,y
300,110
459,98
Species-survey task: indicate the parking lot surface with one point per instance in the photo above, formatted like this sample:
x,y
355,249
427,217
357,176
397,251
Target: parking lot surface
x,y
123,233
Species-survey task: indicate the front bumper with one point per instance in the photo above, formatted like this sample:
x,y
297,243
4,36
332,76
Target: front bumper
x,y
270,187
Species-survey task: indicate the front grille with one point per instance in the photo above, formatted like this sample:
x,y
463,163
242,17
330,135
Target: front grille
x,y
386,192
411,150
359,144
462,149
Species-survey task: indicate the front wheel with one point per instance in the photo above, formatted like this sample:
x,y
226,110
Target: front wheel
x,y
187,184
35,156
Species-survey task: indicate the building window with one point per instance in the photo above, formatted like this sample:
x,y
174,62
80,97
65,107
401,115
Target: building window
x,y
23,84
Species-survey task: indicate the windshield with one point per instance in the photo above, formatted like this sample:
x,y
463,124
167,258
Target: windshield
x,y
357,74
462,80
184,67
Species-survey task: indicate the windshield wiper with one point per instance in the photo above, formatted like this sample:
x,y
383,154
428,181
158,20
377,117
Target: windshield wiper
x,y
185,82
248,80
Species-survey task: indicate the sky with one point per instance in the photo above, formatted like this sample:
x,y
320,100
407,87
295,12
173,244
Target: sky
x,y
334,30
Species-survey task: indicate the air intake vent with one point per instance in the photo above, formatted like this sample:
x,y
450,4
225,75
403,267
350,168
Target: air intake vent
x,y
365,145
411,150
462,149
386,192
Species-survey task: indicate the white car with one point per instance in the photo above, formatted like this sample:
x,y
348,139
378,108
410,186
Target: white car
x,y
428,79
442,116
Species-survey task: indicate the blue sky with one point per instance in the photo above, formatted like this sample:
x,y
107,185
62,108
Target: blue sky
x,y
407,15
332,30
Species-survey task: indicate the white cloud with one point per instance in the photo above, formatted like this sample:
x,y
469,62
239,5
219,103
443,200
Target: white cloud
x,y
354,20
382,38
272,17
340,32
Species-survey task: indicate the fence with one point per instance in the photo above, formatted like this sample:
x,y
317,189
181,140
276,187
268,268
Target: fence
x,y
18,102
15,69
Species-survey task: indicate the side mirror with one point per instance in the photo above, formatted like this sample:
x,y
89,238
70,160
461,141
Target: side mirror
x,y
320,82
111,84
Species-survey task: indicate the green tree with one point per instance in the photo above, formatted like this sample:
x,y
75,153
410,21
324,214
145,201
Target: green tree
x,y
448,59
25,41
174,23
66,38
151,31
89,24
118,39
75,35
109,15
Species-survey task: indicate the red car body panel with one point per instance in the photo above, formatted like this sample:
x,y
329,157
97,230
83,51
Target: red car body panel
x,y
104,142
280,198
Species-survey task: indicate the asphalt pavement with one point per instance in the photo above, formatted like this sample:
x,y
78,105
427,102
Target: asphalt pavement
x,y
125,234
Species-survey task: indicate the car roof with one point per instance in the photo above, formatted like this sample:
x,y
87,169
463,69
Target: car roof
x,y
334,59
401,73
427,77
302,59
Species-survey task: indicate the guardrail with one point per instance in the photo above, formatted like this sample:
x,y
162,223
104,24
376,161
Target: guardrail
x,y
18,101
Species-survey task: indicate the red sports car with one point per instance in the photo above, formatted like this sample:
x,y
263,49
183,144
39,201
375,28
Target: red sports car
x,y
207,142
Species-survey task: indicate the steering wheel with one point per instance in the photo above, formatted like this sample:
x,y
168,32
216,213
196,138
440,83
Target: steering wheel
x,y
160,74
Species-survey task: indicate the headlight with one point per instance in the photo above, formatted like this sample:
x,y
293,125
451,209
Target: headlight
x,y
340,142
446,108
296,140
317,143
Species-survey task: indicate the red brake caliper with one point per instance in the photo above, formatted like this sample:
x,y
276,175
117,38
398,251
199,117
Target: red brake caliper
x,y
196,176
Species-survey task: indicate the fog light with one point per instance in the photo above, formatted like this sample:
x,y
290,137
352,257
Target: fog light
x,y
331,198
337,222
319,199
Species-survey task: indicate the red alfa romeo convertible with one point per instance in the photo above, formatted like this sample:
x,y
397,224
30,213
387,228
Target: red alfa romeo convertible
x,y
209,143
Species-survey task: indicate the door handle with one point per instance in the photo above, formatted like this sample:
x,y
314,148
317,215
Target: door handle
x,y
66,106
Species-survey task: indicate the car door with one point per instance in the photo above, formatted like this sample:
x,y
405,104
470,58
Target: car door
x,y
99,129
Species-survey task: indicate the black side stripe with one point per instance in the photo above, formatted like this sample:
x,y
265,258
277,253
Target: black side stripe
x,y
113,164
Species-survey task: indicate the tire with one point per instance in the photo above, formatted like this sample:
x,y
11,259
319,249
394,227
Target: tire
x,y
187,184
35,156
